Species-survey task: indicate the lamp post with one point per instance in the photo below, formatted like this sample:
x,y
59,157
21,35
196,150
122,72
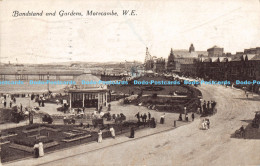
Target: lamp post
x,y
48,88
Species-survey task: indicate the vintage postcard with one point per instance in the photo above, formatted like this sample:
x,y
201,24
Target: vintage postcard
x,y
130,82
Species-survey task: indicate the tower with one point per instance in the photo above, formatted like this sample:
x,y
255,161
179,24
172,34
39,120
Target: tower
x,y
171,62
148,62
191,49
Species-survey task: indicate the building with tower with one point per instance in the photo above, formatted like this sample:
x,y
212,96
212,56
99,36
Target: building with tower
x,y
171,64
191,49
148,62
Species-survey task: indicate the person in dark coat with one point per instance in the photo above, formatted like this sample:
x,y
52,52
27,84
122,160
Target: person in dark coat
x,y
162,119
192,116
149,115
180,117
30,118
132,132
144,117
43,103
4,103
21,106
138,116
152,123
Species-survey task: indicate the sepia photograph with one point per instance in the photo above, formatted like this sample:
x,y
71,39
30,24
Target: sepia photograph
x,y
129,82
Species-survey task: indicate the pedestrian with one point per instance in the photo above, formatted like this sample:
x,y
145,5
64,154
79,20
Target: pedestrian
x,y
144,117
43,102
141,116
186,117
200,110
99,136
208,123
192,116
109,107
21,107
152,123
39,102
112,131
36,150
162,119
138,116
4,102
10,103
180,117
14,100
149,115
41,151
30,118
132,132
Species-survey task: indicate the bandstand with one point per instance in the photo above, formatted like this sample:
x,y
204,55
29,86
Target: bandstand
x,y
87,95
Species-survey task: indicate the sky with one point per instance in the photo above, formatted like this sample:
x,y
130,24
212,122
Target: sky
x,y
158,25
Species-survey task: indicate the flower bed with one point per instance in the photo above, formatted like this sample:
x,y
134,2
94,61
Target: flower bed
x,y
76,137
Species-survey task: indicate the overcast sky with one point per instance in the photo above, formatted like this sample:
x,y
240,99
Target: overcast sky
x,y
159,25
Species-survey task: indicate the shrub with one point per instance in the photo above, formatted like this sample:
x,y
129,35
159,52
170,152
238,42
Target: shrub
x,y
154,95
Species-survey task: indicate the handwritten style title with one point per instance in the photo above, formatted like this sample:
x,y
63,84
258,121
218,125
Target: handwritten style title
x,y
63,13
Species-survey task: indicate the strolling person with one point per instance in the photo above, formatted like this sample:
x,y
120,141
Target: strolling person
x,y
21,107
41,151
180,117
149,115
138,116
43,100
99,136
11,103
162,119
144,117
199,110
4,102
36,150
152,123
208,123
192,116
186,117
39,102
185,111
109,107
112,131
132,132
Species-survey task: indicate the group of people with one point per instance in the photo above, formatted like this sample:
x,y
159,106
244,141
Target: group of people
x,y
38,150
205,124
207,107
13,100
186,118
143,117
113,133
